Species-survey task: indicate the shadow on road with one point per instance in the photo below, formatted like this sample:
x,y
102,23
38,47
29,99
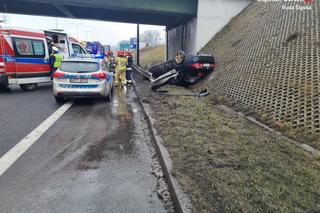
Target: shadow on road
x,y
18,90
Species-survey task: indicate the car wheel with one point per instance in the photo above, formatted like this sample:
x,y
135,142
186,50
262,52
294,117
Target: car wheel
x,y
59,100
109,96
3,86
179,58
28,87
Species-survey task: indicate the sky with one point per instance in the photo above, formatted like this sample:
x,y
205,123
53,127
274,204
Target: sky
x,y
105,32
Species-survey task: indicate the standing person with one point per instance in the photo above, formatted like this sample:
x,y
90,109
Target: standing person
x,y
50,44
111,62
106,61
55,60
129,67
121,67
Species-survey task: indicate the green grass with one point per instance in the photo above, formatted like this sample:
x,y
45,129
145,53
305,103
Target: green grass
x,y
228,164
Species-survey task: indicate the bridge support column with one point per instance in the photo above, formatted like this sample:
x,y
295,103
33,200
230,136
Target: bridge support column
x,y
213,15
138,45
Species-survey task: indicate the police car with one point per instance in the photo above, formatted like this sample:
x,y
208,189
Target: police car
x,y
82,77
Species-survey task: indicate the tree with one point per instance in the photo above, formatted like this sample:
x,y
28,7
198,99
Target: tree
x,y
151,37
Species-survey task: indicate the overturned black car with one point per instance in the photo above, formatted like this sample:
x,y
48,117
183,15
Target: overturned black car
x,y
183,69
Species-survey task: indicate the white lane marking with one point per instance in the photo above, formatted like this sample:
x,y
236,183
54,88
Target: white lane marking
x,y
15,153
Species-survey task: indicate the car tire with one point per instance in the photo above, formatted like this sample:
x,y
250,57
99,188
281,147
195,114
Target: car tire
x,y
179,58
109,96
59,100
3,86
28,87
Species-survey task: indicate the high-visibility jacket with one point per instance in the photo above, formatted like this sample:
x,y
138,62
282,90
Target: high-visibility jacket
x,y
57,60
121,64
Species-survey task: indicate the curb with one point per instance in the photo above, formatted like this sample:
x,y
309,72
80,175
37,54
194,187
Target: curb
x,y
307,148
182,203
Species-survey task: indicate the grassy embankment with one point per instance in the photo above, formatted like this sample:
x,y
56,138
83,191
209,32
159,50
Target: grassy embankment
x,y
223,161
229,164
152,55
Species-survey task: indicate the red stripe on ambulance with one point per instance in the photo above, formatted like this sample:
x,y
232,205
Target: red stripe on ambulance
x,y
25,33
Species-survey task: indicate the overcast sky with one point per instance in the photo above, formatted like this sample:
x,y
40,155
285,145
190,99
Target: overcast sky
x,y
105,32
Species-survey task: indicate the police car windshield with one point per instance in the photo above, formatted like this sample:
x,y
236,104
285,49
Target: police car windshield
x,y
79,67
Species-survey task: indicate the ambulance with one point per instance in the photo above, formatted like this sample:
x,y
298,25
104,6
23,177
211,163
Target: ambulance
x,y
25,57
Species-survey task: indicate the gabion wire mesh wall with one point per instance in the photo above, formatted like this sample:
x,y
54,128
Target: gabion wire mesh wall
x,y
269,59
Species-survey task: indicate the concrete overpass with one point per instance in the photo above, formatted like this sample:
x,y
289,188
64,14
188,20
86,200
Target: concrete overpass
x,y
165,12
190,23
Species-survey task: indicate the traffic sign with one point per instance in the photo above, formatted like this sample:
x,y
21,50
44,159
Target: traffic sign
x,y
133,43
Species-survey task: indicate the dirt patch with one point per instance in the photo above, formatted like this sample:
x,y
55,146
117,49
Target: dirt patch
x,y
96,152
229,164
292,37
85,167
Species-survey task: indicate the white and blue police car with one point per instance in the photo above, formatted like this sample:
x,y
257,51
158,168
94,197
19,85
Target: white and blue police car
x,y
82,77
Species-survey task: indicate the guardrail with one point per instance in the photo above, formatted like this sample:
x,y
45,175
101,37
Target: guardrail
x,y
159,81
142,71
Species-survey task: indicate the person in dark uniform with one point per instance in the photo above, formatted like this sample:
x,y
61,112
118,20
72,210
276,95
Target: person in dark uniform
x,y
50,44
129,67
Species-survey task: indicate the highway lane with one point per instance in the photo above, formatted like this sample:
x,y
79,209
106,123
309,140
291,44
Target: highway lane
x,y
21,112
96,158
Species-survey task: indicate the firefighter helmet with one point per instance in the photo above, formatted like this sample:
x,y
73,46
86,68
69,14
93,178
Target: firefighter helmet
x,y
120,53
129,53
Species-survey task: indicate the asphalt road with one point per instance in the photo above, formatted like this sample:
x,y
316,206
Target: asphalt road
x,y
96,158
21,112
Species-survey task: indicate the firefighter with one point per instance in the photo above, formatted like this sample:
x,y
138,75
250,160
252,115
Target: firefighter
x,y
129,67
121,67
55,60
111,61
106,61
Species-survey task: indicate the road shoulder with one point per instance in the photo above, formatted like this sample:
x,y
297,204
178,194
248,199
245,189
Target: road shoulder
x,y
227,163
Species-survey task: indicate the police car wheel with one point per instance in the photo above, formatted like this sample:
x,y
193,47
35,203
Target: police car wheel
x,y
109,97
59,100
28,87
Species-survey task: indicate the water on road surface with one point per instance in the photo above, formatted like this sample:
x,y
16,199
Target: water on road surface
x,y
96,158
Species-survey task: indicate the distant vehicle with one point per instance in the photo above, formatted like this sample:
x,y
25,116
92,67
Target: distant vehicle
x,y
95,48
24,55
82,78
187,69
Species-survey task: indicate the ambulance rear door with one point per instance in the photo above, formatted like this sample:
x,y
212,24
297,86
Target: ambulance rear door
x,y
60,40
7,59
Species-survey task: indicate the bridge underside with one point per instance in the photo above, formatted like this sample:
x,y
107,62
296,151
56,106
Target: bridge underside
x,y
169,13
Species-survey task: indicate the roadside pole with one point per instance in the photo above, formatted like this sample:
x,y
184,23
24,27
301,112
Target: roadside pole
x,y
138,45
167,44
